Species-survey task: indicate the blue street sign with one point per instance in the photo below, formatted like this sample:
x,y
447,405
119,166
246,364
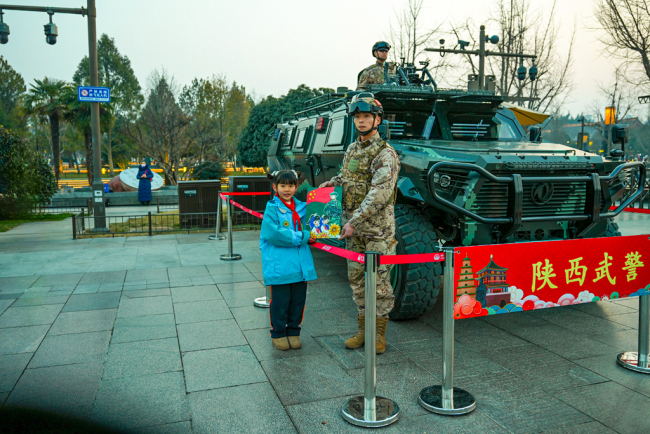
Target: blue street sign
x,y
94,94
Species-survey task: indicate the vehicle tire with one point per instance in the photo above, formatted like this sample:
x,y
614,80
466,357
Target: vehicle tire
x,y
612,229
416,286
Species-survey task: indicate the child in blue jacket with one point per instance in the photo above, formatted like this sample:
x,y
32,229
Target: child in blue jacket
x,y
287,263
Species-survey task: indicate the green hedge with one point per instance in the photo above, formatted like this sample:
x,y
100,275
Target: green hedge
x,y
26,179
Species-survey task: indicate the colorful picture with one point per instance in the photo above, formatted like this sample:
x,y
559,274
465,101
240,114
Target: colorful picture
x,y
324,212
508,278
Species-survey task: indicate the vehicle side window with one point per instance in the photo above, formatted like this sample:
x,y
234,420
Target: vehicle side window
x,y
507,128
300,138
336,131
286,139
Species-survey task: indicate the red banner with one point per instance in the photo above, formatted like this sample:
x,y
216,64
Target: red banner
x,y
506,278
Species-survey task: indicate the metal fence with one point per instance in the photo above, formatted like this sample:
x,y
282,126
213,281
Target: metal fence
x,y
58,206
631,185
84,226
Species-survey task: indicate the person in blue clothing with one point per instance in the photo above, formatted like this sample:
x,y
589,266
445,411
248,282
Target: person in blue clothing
x,y
145,175
287,264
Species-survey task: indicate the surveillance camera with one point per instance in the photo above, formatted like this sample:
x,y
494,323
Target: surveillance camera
x,y
51,32
463,44
4,33
442,42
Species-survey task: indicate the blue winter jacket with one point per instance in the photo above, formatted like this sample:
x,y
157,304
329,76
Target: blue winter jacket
x,y
286,257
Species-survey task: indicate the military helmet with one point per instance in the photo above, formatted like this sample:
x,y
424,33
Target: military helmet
x,y
378,45
365,102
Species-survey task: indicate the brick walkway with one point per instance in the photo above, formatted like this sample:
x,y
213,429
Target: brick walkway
x,y
157,334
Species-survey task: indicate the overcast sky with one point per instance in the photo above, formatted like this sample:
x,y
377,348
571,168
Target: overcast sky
x,y
267,46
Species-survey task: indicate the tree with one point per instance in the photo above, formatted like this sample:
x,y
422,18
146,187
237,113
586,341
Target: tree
x,y
46,99
627,36
12,88
26,179
255,138
407,34
114,71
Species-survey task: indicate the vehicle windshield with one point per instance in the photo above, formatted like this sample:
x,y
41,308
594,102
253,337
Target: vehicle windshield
x,y
482,127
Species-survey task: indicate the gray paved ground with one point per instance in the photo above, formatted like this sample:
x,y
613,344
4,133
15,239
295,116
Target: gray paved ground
x,y
157,335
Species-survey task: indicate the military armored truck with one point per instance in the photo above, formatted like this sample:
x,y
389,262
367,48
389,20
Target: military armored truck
x,y
470,175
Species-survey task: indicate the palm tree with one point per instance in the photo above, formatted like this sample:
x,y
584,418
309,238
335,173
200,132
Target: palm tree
x,y
78,114
46,100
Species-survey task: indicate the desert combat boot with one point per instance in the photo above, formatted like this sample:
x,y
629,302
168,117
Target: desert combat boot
x,y
357,340
381,335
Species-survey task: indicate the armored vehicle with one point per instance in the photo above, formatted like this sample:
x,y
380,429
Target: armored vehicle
x,y
470,175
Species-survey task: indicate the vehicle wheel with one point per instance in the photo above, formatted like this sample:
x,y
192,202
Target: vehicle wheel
x,y
612,229
416,286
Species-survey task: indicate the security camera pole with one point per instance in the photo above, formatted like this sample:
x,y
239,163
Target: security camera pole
x,y
51,34
482,53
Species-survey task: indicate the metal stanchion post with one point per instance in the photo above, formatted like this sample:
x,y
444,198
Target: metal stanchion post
x,y
230,256
264,301
447,399
369,410
638,361
217,232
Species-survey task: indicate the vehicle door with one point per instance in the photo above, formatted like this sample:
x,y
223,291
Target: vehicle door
x,y
327,160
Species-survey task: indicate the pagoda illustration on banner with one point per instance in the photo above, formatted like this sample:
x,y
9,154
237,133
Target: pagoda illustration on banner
x,y
492,288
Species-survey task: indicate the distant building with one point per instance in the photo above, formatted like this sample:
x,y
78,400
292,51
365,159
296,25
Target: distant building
x,y
466,282
493,277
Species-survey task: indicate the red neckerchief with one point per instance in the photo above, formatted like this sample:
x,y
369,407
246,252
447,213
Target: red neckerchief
x,y
294,214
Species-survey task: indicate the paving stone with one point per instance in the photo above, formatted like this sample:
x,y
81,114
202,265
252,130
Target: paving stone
x,y
207,335
21,339
584,428
157,285
179,273
239,285
627,340
110,287
263,414
58,279
5,303
139,293
145,306
603,309
580,322
3,397
354,359
309,418
607,367
260,342
146,274
202,280
475,422
142,358
133,402
226,268
251,317
212,369
195,293
88,288
104,277
21,282
311,378
11,368
611,404
630,320
68,349
200,311
329,322
106,300
243,297
37,291
517,406
68,389
474,333
234,278
168,428
83,322
40,300
142,328
29,315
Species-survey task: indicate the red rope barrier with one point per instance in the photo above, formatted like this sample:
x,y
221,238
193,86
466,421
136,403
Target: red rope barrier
x,y
246,193
634,210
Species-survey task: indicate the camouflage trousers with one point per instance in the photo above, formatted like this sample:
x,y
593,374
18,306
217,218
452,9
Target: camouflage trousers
x,y
356,274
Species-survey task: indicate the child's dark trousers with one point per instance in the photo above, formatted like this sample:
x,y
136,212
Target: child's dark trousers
x,y
287,308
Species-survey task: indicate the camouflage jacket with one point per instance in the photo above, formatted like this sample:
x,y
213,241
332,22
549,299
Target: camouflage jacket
x,y
369,178
374,74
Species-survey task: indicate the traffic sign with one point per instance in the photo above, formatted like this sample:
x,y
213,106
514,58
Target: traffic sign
x,y
94,94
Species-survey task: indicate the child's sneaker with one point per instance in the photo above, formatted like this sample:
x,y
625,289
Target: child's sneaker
x,y
294,342
281,344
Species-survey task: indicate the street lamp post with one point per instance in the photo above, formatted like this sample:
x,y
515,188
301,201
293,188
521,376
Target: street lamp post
x,y
50,31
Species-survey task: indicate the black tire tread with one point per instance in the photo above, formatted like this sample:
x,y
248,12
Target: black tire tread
x,y
423,281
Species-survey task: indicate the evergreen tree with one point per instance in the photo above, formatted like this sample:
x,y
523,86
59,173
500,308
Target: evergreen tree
x,y
12,89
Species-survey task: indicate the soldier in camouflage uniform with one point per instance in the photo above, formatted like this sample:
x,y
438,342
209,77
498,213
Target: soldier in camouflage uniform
x,y
369,178
374,74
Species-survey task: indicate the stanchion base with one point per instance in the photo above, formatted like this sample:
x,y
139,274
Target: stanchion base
x,y
233,257
261,302
630,360
431,399
386,410
217,237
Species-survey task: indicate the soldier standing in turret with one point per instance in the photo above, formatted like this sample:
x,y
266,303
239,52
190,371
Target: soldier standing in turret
x,y
374,74
368,176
